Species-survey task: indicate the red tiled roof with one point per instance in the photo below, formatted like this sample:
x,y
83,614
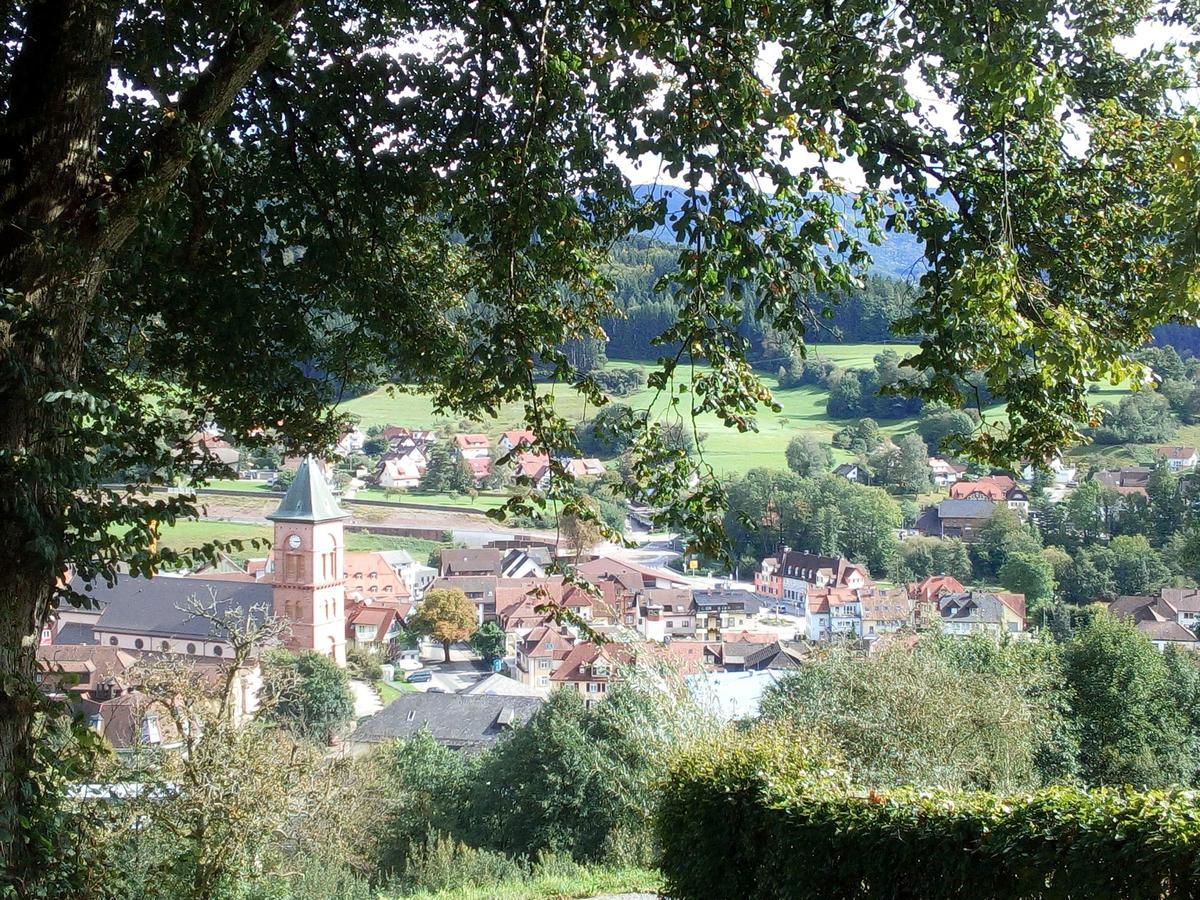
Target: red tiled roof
x,y
472,441
929,587
369,575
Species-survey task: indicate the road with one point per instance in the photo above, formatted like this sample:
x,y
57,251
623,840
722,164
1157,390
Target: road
x,y
463,670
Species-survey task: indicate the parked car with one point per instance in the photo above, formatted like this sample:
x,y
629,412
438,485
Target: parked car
x,y
420,675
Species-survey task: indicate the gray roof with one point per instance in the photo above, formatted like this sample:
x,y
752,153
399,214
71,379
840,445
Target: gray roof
x,y
460,721
309,498
485,561
157,606
75,633
721,598
501,686
966,509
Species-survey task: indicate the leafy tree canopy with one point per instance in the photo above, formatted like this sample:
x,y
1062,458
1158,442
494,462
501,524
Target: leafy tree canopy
x,y
238,212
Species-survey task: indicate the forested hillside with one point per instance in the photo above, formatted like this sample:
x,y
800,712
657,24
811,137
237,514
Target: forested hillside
x,y
637,264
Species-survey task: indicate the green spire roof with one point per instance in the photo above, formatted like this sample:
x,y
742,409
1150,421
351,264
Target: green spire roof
x,y
309,498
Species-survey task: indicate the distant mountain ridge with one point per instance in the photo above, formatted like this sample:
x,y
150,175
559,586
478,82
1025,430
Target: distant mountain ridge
x,y
899,256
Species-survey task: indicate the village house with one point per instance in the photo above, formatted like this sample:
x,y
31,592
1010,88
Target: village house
x,y
997,487
1178,458
942,472
852,472
1062,472
373,628
540,653
585,468
1168,620
981,612
960,519
924,594
480,468
516,439
884,612
1126,480
591,669
473,446
350,441
534,468
396,472
466,722
467,561
723,608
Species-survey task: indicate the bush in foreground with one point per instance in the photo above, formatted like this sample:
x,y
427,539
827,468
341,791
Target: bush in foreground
x,y
757,816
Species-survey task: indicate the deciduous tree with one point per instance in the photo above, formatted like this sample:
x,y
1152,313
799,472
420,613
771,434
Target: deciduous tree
x,y
240,210
446,615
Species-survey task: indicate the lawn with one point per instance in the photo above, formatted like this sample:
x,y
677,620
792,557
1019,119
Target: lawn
x,y
190,534
389,691
483,501
727,450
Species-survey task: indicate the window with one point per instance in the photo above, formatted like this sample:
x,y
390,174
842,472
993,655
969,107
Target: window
x,y
292,566
191,648
95,722
165,646
112,641
139,644
217,651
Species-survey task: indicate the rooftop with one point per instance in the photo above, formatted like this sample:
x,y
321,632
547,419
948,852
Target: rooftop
x,y
308,499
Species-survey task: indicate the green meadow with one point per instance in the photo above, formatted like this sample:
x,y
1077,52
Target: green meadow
x,y
185,535
727,450
803,409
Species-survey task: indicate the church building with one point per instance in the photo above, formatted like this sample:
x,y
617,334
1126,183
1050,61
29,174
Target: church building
x,y
305,583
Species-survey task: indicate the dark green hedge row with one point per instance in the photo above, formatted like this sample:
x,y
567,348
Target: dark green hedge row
x,y
760,816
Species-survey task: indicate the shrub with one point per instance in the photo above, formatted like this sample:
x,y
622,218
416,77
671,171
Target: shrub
x,y
442,864
364,664
758,818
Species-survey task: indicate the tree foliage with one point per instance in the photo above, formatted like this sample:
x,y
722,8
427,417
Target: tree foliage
x,y
446,615
240,212
308,693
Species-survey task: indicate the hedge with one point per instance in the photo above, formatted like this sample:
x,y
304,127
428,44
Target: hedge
x,y
759,816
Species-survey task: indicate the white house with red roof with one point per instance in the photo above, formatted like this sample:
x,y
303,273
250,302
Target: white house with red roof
x,y
473,446
1178,458
516,438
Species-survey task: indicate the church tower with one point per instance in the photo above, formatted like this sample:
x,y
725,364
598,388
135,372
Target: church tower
x,y
309,579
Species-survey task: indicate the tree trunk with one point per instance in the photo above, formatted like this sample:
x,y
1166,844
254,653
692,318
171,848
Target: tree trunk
x,y
54,250
47,176
446,648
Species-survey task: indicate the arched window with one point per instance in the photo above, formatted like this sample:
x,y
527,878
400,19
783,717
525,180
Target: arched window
x,y
217,651
165,646
112,641
191,648
139,644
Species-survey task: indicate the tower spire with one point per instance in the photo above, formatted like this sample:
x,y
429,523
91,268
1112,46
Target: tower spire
x,y
308,498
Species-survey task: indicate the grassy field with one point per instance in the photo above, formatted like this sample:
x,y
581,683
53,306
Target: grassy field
x,y
389,691
479,501
586,882
728,451
803,409
186,535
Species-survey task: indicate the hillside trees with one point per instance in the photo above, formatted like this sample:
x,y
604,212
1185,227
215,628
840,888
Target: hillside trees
x,y
1130,729
281,181
307,693
807,455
